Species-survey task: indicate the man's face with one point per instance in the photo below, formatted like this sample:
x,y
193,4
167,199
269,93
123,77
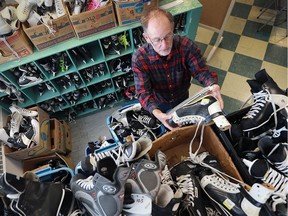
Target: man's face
x,y
159,34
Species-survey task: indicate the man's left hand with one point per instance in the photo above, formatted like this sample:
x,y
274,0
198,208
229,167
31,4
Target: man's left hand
x,y
217,94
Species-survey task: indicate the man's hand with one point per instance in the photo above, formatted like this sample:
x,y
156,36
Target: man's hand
x,y
217,94
164,119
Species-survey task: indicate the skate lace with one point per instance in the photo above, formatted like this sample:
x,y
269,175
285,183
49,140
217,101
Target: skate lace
x,y
123,40
195,119
278,181
78,212
86,184
115,154
186,185
277,133
223,183
166,177
260,99
145,119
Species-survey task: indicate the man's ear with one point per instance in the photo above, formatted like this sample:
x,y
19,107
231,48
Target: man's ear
x,y
146,37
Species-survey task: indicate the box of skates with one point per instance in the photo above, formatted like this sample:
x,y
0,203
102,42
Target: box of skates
x,y
57,29
92,21
38,144
131,11
15,46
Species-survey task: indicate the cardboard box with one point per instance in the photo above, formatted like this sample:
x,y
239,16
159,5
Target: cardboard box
x,y
131,12
57,136
42,38
16,43
93,21
67,136
38,163
175,144
43,146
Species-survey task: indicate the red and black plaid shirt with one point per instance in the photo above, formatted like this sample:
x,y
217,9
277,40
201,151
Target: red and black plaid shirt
x,y
166,79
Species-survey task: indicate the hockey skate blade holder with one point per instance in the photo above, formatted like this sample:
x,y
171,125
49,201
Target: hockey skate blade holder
x,y
201,110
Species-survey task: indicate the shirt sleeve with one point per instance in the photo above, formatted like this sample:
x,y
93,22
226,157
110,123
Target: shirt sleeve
x,y
142,82
197,65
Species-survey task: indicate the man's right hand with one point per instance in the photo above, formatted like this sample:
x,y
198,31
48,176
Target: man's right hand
x,y
164,119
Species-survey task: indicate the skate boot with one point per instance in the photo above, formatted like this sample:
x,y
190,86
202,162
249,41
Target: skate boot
x,y
268,100
101,195
194,201
24,8
145,175
275,153
5,28
261,170
203,110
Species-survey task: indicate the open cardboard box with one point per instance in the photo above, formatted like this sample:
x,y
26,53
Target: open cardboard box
x,y
90,22
43,146
175,144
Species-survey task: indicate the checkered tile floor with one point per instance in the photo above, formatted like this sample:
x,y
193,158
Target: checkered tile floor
x,y
244,50
242,53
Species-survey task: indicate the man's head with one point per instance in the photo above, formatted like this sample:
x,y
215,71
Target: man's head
x,y
158,28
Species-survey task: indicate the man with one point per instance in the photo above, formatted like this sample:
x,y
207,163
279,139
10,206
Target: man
x,y
164,66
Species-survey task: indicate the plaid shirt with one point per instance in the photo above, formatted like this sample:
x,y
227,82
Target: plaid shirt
x,y
167,79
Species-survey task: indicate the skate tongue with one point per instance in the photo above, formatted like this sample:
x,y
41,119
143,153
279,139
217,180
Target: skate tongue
x,y
257,168
261,76
255,86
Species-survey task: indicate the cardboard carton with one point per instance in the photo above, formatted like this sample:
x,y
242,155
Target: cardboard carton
x,y
175,144
42,37
90,22
57,136
131,11
43,146
17,43
67,136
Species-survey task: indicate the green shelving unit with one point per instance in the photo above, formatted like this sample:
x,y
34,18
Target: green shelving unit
x,y
192,9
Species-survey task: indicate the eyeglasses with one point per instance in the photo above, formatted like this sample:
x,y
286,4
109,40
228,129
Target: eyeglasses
x,y
157,41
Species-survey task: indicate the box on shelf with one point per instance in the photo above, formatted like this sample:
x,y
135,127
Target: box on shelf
x,y
43,146
57,136
67,136
90,22
129,12
60,30
17,43
175,144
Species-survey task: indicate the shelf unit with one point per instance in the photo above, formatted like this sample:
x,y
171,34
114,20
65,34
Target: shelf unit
x,y
192,9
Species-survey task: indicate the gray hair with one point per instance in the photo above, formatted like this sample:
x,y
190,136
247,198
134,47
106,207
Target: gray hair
x,y
155,13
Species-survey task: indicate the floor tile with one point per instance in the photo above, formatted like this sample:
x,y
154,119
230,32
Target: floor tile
x,y
252,29
230,41
264,18
278,73
230,104
235,25
281,19
234,84
221,59
276,54
221,74
249,2
241,10
252,47
263,4
244,65
204,35
279,36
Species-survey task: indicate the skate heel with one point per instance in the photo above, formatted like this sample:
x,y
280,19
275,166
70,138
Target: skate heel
x,y
259,193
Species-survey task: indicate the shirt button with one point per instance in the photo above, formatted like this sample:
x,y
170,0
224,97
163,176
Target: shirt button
x,y
170,86
168,76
